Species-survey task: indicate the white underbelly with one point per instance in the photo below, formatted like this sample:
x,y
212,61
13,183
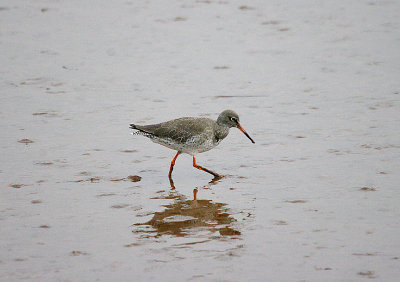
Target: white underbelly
x,y
192,146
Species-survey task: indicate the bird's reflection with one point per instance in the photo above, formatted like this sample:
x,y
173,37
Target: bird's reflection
x,y
186,217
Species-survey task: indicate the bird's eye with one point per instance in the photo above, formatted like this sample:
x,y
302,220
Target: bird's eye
x,y
233,119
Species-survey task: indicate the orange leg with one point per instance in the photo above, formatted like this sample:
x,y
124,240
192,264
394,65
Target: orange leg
x,y
171,182
171,168
204,169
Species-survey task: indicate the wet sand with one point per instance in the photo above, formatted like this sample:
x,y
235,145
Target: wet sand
x,y
316,86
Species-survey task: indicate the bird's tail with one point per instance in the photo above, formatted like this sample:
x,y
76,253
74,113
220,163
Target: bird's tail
x,y
140,131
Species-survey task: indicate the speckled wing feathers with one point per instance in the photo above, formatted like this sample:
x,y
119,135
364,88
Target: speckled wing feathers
x,y
186,134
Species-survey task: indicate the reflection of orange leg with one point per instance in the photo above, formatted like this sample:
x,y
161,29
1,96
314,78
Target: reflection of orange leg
x,y
195,194
204,169
171,168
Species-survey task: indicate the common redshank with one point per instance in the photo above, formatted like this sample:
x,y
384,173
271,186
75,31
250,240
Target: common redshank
x,y
191,135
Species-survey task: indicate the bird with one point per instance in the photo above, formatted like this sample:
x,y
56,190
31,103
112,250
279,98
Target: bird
x,y
191,135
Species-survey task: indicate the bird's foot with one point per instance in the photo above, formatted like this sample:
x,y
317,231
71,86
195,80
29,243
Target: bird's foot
x,y
216,178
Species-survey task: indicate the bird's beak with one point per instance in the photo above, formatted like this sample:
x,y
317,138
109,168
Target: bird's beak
x,y
244,131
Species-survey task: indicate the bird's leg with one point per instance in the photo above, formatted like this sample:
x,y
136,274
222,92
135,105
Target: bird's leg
x,y
171,168
171,182
204,169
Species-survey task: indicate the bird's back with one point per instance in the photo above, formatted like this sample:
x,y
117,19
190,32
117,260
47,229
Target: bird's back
x,y
188,134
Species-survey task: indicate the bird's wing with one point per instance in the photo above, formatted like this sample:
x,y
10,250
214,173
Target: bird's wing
x,y
179,130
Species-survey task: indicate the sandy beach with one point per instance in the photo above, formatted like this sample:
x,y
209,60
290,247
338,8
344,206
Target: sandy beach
x,y
316,85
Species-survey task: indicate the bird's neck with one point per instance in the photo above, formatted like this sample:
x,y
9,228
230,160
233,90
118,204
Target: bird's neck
x,y
221,131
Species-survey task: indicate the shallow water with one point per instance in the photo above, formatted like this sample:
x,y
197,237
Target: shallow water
x,y
315,198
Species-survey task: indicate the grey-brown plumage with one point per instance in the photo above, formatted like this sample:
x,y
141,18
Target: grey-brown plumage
x,y
191,135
